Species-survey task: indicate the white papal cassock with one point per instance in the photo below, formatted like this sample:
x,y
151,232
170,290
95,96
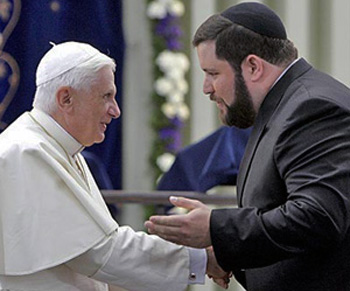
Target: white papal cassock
x,y
55,230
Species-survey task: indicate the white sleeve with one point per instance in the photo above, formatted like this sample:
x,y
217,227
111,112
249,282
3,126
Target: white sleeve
x,y
198,266
138,261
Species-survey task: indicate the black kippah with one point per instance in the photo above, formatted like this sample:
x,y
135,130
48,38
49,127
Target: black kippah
x,y
258,18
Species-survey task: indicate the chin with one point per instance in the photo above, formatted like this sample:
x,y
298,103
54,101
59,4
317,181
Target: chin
x,y
100,139
95,141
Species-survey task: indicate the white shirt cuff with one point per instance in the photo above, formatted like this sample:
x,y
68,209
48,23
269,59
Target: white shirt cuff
x,y
198,266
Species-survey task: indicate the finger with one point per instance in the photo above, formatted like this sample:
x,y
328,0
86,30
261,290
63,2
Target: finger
x,y
221,282
161,230
186,203
169,233
173,220
148,224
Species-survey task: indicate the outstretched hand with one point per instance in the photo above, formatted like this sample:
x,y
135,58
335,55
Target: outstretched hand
x,y
191,229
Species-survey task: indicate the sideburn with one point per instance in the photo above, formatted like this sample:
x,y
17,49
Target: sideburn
x,y
241,112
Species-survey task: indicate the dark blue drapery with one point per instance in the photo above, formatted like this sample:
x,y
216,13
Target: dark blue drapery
x,y
212,161
26,29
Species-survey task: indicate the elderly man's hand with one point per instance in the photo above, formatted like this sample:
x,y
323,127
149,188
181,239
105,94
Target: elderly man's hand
x,y
191,229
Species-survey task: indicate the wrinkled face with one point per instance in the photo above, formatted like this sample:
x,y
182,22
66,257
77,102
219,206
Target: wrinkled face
x,y
92,110
226,88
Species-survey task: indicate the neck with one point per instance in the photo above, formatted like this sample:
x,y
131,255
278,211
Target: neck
x,y
271,75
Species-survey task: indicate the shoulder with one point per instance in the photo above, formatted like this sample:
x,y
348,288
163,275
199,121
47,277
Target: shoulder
x,y
313,95
21,137
315,86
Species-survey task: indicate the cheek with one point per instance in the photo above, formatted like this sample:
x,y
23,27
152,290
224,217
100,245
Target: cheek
x,y
225,90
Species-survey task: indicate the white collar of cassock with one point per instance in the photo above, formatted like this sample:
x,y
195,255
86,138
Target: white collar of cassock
x,y
69,143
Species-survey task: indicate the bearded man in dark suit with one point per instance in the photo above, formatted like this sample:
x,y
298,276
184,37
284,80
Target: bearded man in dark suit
x,y
291,230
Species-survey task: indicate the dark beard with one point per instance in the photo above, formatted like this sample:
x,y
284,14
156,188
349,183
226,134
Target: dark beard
x,y
241,112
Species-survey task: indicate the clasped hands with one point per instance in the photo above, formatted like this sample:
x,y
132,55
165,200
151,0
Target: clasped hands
x,y
191,229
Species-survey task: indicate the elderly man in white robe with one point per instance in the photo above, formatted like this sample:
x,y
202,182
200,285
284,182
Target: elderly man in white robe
x,y
55,230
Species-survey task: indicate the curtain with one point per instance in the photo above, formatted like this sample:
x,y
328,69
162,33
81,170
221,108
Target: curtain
x,y
28,26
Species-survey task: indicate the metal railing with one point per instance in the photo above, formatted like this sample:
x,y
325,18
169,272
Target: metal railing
x,y
162,197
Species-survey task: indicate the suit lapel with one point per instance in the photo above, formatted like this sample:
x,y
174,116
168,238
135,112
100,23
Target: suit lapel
x,y
255,136
266,110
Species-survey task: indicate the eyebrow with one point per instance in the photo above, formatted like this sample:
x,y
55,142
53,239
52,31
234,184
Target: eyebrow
x,y
210,70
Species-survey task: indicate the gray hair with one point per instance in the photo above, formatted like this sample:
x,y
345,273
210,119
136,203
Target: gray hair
x,y
79,77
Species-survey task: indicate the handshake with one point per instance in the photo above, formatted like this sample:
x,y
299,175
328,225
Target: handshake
x,y
191,229
214,271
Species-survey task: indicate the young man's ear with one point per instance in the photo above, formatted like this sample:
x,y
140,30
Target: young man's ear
x,y
64,97
253,67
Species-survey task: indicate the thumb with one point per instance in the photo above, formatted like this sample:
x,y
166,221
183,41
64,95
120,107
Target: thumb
x,y
189,204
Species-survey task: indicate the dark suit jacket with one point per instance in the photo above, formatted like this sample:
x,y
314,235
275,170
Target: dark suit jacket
x,y
292,230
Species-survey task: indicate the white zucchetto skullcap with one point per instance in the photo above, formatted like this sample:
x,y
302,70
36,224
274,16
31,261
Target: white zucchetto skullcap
x,y
61,58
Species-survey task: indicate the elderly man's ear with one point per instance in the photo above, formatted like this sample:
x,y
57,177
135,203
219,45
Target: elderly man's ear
x,y
64,98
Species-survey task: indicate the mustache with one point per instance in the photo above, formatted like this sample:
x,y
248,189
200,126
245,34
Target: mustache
x,y
217,99
212,97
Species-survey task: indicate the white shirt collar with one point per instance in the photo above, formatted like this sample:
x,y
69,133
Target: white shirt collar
x,y
285,71
69,143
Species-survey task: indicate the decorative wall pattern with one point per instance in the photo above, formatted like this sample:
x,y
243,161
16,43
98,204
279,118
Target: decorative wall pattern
x,y
9,70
